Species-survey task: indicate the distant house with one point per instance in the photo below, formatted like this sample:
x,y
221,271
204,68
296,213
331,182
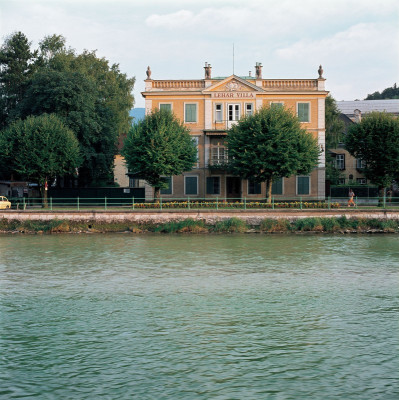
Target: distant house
x,y
351,112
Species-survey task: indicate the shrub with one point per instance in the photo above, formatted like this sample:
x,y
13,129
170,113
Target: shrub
x,y
230,225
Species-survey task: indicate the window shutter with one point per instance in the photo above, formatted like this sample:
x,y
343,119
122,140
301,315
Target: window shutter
x,y
167,107
209,185
277,186
191,184
303,185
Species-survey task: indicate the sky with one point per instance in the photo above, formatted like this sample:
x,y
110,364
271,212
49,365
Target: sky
x,y
356,41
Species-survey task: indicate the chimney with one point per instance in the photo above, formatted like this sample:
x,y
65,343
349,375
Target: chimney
x,y
358,116
208,70
258,69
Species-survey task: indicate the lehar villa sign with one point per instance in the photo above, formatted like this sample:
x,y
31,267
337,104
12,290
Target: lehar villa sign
x,y
233,95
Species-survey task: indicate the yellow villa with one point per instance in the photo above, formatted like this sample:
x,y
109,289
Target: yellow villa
x,y
210,106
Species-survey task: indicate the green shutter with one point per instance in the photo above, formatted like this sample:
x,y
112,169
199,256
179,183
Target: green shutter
x,y
277,186
213,185
303,112
254,187
167,190
191,113
167,107
303,185
209,185
191,184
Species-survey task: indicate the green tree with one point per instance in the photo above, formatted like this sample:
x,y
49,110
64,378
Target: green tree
x,y
159,145
92,97
17,65
375,140
335,129
270,145
39,149
388,93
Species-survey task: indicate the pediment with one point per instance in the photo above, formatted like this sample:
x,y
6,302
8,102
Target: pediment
x,y
233,84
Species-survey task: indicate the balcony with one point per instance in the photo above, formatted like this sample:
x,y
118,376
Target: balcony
x,y
219,158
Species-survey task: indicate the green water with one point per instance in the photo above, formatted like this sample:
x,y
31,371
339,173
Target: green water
x,y
199,317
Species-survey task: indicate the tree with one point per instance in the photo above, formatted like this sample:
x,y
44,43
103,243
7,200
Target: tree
x,y
92,97
39,149
335,128
159,146
375,140
388,93
270,145
16,67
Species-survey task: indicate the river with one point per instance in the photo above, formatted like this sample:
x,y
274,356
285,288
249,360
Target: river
x,y
124,316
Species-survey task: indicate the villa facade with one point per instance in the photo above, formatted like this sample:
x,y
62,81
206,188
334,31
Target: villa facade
x,y
210,106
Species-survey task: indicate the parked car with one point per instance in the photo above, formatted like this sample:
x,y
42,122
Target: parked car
x,y
4,203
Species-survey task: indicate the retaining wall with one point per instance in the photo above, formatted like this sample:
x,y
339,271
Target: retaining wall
x,y
252,217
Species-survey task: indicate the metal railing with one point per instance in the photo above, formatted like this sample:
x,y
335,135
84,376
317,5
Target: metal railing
x,y
194,202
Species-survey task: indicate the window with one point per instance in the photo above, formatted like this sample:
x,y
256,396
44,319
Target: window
x,y
254,187
303,185
249,109
361,181
233,112
340,161
167,190
276,105
277,186
218,113
213,185
190,114
341,181
191,185
165,106
218,154
360,164
303,112
134,182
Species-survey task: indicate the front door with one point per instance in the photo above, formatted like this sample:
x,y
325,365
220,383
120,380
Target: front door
x,y
233,188
233,114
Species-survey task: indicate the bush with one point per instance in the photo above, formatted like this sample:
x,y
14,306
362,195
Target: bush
x,y
275,225
230,225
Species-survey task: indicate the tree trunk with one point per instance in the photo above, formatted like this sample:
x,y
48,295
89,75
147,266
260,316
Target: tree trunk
x,y
43,189
269,190
157,194
381,194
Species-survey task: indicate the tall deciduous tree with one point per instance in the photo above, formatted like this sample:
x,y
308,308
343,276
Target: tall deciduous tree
x,y
375,140
158,146
91,96
270,145
17,64
39,149
335,127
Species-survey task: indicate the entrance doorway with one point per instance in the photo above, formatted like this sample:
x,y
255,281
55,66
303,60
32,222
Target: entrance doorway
x,y
233,188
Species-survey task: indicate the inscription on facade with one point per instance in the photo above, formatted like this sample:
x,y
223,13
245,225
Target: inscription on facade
x,y
233,95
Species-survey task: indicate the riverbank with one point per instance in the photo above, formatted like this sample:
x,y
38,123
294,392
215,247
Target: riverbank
x,y
336,224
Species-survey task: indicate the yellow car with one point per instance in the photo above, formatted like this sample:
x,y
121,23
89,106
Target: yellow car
x,y
4,203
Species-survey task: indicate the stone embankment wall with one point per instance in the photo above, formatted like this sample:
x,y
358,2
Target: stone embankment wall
x,y
251,217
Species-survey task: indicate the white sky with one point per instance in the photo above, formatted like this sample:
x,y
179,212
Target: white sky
x,y
356,41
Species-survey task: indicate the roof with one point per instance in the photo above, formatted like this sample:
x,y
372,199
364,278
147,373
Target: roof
x,y
366,106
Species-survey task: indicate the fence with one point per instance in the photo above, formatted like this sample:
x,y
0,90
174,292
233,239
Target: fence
x,y
136,203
